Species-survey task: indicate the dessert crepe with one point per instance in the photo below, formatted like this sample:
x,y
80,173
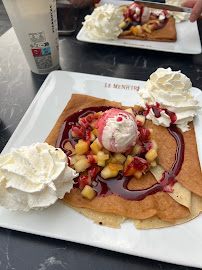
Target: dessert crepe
x,y
158,210
166,34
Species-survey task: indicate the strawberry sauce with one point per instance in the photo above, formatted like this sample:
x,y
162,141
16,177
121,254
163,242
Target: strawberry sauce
x,y
119,185
157,112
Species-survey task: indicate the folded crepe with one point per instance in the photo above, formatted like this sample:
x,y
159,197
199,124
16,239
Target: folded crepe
x,y
155,211
167,33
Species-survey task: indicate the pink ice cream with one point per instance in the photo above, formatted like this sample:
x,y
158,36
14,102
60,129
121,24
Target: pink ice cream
x,y
117,130
138,13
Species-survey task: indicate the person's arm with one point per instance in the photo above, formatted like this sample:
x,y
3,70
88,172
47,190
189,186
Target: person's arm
x,y
197,8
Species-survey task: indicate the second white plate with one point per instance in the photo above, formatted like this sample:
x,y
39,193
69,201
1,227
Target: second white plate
x,y
180,244
188,40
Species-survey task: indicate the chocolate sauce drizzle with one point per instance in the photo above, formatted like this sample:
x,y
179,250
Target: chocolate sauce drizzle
x,y
119,185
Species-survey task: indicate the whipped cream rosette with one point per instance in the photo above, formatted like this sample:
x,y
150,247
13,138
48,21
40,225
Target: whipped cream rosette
x,y
104,22
171,91
34,177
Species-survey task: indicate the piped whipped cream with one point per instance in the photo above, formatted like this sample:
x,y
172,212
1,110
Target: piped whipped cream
x,y
104,22
34,177
179,16
171,91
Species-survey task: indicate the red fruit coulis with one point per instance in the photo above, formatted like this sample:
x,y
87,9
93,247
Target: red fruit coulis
x,y
119,185
157,112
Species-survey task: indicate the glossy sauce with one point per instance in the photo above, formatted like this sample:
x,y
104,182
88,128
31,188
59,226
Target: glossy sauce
x,y
119,185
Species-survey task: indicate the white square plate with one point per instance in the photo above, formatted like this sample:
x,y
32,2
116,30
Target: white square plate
x,y
180,244
188,40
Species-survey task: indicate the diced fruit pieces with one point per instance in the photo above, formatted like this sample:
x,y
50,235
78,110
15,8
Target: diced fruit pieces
x,y
92,159
102,156
145,134
109,171
138,174
73,160
140,120
82,147
153,163
134,164
93,171
151,155
115,167
88,192
154,145
83,122
95,131
83,181
80,157
120,158
93,124
129,110
96,146
136,30
89,136
81,165
77,131
137,149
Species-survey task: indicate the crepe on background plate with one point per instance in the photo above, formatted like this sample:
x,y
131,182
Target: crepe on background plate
x,y
155,211
165,34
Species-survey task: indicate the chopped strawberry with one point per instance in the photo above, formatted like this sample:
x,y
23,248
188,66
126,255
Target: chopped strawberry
x,y
83,181
88,135
83,122
145,134
91,159
93,171
77,131
137,164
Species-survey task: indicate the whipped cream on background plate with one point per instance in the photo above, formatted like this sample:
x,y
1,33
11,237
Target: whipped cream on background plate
x,y
104,22
171,89
34,177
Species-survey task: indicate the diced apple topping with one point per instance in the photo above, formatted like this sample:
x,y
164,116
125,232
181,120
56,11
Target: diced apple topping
x,y
95,131
151,155
96,146
137,149
154,145
140,120
111,170
80,157
138,174
81,165
82,147
120,158
129,110
88,192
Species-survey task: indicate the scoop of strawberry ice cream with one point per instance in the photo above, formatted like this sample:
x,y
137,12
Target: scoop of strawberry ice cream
x,y
138,13
117,130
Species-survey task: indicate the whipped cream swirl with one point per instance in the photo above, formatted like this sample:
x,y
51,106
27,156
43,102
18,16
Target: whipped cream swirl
x,y
170,89
34,177
104,22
